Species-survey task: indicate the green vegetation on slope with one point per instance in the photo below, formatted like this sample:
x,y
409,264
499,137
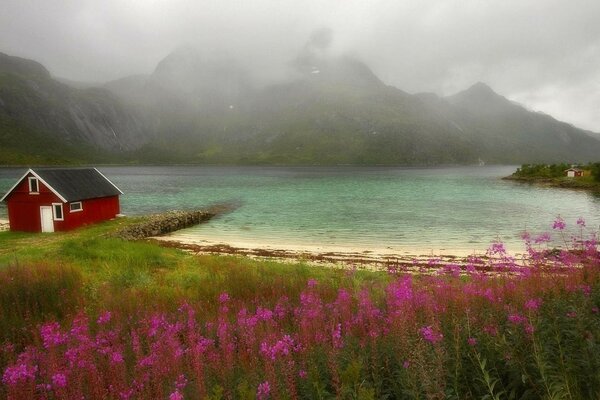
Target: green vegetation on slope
x,y
554,175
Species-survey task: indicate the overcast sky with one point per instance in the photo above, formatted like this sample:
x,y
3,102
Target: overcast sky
x,y
542,53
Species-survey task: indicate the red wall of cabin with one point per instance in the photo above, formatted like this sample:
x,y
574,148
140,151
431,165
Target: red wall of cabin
x,y
24,209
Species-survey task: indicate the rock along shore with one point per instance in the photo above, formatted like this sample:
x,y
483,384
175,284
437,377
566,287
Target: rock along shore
x,y
170,221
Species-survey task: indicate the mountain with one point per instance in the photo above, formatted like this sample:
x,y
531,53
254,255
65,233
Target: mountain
x,y
206,108
505,127
43,120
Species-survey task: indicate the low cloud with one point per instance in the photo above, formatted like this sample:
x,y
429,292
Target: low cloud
x,y
543,53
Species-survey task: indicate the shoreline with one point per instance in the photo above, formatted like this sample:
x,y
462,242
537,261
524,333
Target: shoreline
x,y
416,260
557,183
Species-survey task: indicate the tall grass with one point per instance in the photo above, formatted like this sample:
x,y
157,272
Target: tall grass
x,y
30,295
222,327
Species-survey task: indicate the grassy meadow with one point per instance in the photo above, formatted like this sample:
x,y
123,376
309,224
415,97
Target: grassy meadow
x,y
83,315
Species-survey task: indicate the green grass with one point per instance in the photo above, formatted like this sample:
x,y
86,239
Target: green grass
x,y
51,273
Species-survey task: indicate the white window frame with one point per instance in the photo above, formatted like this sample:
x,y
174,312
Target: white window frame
x,y
37,184
62,211
77,210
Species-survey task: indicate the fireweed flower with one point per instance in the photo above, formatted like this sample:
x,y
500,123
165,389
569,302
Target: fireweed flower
x,y
516,319
176,395
581,222
104,317
51,335
19,373
263,391
59,380
543,238
430,335
181,382
223,297
116,358
472,341
497,248
559,224
533,304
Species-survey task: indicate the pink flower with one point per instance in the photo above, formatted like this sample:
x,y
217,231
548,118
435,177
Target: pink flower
x,y
263,391
312,283
302,374
104,317
59,380
559,224
430,335
51,335
223,297
472,341
529,329
406,364
533,304
181,382
176,395
543,238
116,358
581,222
595,310
572,314
516,319
497,248
19,373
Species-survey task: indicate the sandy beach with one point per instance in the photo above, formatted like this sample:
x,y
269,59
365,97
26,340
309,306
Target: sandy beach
x,y
382,259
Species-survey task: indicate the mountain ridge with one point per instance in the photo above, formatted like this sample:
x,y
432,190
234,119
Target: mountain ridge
x,y
200,108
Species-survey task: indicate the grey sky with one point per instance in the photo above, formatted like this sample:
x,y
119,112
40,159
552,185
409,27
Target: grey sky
x,y
542,53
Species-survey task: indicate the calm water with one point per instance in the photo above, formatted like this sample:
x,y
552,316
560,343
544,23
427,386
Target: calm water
x,y
365,208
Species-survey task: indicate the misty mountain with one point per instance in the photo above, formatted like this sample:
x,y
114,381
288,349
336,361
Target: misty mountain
x,y
332,109
45,119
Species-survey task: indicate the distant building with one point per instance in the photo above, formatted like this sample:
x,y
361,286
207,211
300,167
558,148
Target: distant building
x,y
60,199
577,172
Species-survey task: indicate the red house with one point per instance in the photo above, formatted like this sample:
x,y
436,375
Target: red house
x,y
59,199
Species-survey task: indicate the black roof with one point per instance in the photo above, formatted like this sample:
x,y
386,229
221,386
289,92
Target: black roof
x,y
78,183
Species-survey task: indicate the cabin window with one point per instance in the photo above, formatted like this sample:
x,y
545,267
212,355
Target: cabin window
x,y
58,211
34,187
76,206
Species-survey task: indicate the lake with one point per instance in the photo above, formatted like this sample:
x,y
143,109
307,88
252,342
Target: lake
x,y
359,208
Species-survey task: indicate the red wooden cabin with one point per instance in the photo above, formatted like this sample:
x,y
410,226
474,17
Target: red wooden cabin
x,y
60,199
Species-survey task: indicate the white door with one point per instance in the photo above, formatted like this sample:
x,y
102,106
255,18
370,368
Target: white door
x,y
47,221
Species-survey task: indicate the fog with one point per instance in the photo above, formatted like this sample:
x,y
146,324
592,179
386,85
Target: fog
x,y
542,53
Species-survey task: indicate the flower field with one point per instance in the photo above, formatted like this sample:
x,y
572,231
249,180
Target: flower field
x,y
490,327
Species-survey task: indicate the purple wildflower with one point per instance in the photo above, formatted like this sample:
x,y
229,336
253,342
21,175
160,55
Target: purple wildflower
x,y
176,395
104,317
559,224
472,341
263,391
59,380
51,335
223,297
19,373
430,335
533,304
516,319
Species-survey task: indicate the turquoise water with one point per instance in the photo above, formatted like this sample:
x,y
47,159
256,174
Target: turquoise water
x,y
362,208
